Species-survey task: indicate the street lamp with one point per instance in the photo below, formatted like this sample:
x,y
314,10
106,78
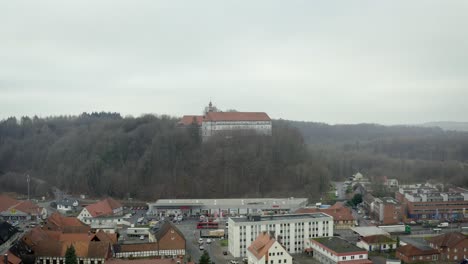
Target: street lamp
x,y
27,180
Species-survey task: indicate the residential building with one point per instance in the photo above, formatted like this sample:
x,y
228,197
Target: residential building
x,y
331,250
58,222
289,230
387,211
266,250
417,254
342,216
67,205
107,210
377,243
215,122
12,209
50,246
452,246
12,258
149,261
421,202
169,242
225,207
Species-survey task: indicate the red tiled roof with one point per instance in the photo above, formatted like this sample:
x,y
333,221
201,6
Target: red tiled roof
x,y
12,258
58,222
449,240
377,239
338,211
410,250
261,245
237,116
103,208
8,203
145,261
188,120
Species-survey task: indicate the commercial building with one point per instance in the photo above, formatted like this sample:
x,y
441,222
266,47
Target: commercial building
x,y
225,207
265,249
422,202
289,230
377,243
335,250
12,209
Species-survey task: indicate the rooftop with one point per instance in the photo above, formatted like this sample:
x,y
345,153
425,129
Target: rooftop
x,y
231,202
369,231
280,217
338,245
261,245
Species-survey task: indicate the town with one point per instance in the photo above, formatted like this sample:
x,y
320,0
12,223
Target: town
x,y
424,222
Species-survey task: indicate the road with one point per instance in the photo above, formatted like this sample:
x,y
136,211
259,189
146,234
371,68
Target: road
x,y
341,188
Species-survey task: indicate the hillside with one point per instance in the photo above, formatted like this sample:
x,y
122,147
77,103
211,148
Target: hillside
x,y
150,157
447,125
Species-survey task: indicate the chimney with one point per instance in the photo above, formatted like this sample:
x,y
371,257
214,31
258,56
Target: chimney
x,y
5,258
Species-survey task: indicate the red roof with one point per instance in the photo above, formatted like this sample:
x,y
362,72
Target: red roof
x,y
377,239
188,120
8,203
449,240
237,116
58,222
338,211
13,259
261,245
410,251
103,208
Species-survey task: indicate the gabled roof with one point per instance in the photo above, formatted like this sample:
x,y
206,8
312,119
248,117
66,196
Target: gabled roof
x,y
135,247
188,120
260,246
449,240
338,211
13,259
103,208
410,251
58,222
166,227
236,116
8,203
377,239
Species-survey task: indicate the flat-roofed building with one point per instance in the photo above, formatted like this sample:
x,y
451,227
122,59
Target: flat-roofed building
x,y
225,207
289,230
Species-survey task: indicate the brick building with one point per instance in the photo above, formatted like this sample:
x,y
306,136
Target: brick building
x,y
422,202
342,216
412,254
452,246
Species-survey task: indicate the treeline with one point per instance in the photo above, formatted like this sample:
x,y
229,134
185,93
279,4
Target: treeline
x,y
150,157
408,153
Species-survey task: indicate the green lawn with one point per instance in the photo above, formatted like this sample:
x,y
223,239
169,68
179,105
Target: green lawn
x,y
223,242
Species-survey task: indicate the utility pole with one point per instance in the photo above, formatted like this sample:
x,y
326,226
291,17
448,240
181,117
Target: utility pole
x,y
27,180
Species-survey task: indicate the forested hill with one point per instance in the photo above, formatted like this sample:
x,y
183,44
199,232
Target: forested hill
x,y
150,157
408,153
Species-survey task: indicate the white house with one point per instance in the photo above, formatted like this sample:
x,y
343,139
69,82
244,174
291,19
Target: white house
x,y
377,243
66,205
331,250
105,211
289,230
265,249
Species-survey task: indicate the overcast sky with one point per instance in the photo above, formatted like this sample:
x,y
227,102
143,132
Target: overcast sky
x,y
388,62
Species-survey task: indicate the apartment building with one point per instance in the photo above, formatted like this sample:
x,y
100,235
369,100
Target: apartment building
x,y
289,230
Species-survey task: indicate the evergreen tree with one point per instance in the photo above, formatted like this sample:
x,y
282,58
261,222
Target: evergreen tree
x,y
204,258
70,256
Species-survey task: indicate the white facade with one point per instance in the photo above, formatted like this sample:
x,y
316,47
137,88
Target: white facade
x,y
210,128
88,219
376,247
331,254
289,230
276,254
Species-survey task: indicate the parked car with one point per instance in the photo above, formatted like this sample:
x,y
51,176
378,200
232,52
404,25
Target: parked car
x,y
225,252
208,241
202,247
200,240
234,262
